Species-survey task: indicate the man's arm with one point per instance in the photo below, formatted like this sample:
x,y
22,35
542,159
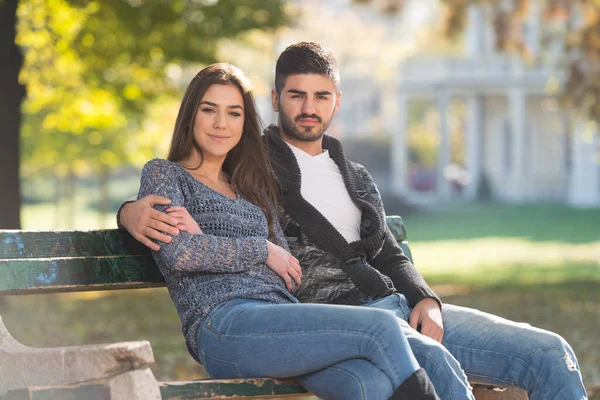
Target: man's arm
x,y
392,261
144,222
426,316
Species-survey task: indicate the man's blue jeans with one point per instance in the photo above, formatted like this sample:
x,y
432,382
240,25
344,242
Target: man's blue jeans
x,y
337,352
493,350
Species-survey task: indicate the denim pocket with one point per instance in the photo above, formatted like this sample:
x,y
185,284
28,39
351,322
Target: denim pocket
x,y
403,306
220,369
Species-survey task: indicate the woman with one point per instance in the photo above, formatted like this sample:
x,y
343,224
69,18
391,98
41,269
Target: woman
x,y
229,272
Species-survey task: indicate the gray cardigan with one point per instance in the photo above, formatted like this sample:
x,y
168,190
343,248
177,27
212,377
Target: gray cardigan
x,y
226,262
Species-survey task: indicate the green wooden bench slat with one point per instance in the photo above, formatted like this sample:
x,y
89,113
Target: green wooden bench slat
x,y
47,244
227,388
27,276
77,392
110,242
62,261
396,225
406,250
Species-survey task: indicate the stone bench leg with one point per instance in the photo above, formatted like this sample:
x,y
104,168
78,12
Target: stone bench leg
x,y
133,385
122,365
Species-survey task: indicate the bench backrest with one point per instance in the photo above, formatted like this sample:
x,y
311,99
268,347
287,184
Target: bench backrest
x,y
71,261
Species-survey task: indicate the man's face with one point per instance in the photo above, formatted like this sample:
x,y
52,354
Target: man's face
x,y
306,106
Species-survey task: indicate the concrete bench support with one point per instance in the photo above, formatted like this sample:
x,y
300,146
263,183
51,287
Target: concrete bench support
x,y
135,385
121,367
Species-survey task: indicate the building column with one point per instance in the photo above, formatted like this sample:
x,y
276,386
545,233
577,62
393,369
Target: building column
x,y
442,184
584,180
518,110
473,145
400,147
474,32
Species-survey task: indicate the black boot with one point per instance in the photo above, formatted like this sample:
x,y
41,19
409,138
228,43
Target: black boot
x,y
418,386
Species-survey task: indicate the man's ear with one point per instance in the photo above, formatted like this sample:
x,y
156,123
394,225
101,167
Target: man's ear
x,y
338,99
275,100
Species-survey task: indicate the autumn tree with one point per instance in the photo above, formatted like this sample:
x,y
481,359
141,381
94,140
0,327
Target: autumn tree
x,y
91,69
576,24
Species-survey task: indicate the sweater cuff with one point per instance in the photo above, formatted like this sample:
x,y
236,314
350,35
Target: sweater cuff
x,y
424,293
130,200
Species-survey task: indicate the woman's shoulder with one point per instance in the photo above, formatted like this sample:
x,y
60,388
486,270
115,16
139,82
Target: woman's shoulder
x,y
160,166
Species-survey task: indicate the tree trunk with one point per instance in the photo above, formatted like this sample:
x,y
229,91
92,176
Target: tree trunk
x,y
11,95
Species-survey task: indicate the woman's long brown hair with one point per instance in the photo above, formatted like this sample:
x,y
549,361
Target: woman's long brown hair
x,y
247,163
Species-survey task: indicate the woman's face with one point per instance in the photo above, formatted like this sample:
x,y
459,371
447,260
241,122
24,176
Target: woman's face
x,y
219,120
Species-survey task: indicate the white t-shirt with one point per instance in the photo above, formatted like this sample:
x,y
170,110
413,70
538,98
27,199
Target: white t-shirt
x,y
322,185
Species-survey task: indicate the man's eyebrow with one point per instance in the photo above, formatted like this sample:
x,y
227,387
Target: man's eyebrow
x,y
296,91
321,93
210,103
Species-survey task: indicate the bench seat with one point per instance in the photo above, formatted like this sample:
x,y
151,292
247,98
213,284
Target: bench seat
x,y
70,261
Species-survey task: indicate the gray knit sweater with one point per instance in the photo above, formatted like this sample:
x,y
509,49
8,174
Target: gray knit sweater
x,y
227,261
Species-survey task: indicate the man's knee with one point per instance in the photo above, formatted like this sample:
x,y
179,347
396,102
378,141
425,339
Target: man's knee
x,y
551,351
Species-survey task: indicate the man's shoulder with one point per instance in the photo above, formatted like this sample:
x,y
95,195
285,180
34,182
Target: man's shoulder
x,y
361,170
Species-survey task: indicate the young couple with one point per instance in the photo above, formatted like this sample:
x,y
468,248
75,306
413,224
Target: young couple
x,y
332,302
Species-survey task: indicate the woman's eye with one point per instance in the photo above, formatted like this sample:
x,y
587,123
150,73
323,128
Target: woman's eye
x,y
208,110
234,114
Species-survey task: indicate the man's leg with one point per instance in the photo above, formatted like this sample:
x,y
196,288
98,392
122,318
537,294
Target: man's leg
x,y
495,350
443,369
350,379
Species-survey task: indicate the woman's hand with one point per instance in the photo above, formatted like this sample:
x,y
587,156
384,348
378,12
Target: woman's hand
x,y
185,222
284,264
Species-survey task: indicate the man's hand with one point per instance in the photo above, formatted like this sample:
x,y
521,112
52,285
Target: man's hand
x,y
145,223
428,315
185,222
284,264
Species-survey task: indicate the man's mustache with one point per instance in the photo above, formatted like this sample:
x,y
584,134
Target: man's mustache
x,y
313,116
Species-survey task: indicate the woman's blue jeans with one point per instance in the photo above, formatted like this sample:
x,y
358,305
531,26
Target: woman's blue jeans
x,y
337,352
490,349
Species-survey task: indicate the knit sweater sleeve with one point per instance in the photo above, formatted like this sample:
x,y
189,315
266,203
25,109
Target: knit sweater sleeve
x,y
130,200
202,252
392,262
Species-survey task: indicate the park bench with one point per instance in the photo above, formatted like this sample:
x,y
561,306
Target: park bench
x,y
33,262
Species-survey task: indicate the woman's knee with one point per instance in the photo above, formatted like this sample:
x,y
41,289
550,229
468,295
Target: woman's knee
x,y
386,322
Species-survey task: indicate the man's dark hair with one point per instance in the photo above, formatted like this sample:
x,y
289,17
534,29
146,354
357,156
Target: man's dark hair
x,y
306,58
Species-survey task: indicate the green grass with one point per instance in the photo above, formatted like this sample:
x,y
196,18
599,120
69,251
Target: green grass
x,y
507,245
534,223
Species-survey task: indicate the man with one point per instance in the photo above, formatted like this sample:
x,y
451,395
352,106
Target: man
x,y
335,224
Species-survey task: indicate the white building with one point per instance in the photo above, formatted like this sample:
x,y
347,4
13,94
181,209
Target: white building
x,y
527,148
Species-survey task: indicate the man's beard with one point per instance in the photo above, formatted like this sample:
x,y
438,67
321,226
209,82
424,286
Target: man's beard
x,y
302,135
